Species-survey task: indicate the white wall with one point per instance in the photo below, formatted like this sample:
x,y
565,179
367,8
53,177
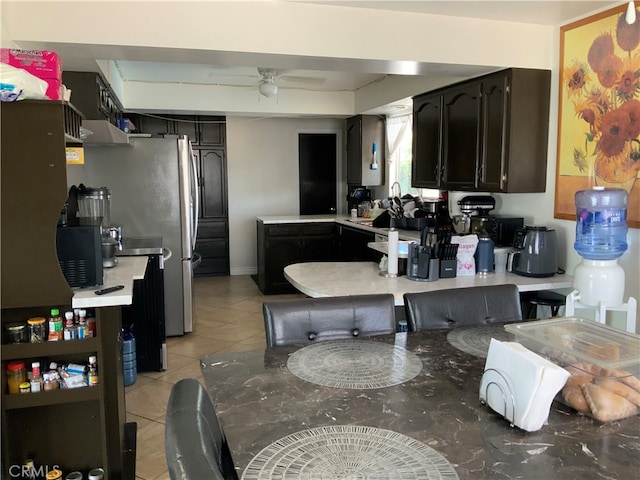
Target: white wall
x,y
262,166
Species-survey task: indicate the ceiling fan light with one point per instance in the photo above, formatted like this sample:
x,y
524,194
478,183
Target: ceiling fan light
x,y
268,88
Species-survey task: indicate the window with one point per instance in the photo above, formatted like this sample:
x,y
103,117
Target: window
x,y
399,140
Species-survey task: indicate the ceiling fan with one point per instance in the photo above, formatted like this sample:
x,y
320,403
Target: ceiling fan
x,y
268,76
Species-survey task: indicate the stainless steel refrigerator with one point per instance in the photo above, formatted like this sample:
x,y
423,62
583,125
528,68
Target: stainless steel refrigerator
x,y
153,183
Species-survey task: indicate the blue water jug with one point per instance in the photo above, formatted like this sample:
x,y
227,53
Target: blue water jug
x,y
130,369
484,254
601,223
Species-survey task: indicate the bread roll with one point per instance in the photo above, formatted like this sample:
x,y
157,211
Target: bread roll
x,y
619,388
605,405
574,396
625,377
578,376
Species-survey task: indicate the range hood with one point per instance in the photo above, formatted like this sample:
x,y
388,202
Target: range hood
x,y
104,133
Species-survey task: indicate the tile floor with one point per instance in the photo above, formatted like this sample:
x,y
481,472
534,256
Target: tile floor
x,y
227,318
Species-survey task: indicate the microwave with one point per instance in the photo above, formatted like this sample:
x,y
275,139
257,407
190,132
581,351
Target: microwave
x,y
79,250
504,229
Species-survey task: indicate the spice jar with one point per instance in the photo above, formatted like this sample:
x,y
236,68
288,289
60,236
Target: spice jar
x,y
54,475
96,474
25,387
16,332
16,374
37,329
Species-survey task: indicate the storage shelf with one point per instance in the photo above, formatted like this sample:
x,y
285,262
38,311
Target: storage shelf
x,y
54,397
49,349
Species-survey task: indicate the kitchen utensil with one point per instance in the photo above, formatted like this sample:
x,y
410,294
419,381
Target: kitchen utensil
x,y
462,224
109,246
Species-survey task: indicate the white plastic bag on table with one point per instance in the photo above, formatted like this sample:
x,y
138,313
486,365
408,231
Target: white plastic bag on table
x,y
466,263
18,84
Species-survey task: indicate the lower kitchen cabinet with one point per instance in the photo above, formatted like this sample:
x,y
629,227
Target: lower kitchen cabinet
x,y
76,429
353,245
213,246
280,245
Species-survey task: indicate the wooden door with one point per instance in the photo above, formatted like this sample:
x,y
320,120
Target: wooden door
x,y
494,104
427,141
317,158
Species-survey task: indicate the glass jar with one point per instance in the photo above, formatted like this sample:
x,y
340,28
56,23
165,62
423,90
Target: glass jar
x,y
74,476
16,332
25,387
54,475
16,374
37,329
96,474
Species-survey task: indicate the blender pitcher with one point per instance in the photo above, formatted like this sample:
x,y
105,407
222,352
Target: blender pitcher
x,y
95,203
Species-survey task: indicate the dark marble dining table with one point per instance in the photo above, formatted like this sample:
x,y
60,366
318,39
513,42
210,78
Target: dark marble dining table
x,y
260,401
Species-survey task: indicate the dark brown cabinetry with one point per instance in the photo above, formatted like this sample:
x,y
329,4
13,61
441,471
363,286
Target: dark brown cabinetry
x,y
362,132
493,134
76,429
202,130
280,245
427,141
93,96
353,247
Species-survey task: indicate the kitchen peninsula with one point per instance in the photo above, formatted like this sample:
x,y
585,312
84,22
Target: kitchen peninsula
x,y
312,253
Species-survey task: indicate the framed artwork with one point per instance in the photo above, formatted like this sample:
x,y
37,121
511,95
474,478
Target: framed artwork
x,y
599,110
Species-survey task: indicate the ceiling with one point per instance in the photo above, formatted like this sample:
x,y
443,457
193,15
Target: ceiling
x,y
553,12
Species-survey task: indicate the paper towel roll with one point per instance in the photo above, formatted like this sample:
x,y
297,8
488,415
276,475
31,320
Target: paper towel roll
x,y
392,253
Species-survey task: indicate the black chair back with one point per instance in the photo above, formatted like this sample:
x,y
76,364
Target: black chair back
x,y
307,320
461,307
195,445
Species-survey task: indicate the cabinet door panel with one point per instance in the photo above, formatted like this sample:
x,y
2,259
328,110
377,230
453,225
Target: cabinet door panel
x,y
315,249
354,150
186,125
212,131
212,183
494,103
461,137
427,122
281,252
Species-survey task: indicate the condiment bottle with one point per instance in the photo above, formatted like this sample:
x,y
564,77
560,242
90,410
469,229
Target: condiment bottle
x,y
92,376
36,378
16,374
37,329
91,323
82,324
70,332
55,326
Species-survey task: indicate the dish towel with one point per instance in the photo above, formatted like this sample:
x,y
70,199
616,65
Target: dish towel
x,y
519,384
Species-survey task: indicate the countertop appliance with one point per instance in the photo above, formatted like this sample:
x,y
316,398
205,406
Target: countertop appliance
x,y
535,252
145,317
78,244
476,208
153,183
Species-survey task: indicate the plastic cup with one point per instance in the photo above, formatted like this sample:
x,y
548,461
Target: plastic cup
x,y
500,260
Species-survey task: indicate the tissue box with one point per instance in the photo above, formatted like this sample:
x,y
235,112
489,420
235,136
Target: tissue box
x,y
604,363
40,63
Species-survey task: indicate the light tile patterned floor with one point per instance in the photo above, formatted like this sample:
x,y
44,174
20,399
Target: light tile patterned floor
x,y
227,317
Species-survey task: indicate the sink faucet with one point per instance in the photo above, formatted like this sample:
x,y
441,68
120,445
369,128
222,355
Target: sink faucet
x,y
393,189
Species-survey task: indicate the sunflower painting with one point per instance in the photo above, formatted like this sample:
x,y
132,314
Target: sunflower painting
x,y
599,110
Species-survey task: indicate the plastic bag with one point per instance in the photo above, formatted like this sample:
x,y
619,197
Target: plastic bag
x,y
18,84
466,263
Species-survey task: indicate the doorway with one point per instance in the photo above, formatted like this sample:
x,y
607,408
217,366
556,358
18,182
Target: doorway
x,y
318,159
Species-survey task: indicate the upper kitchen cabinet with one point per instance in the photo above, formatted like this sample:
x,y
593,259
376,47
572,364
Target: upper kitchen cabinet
x,y
34,190
490,136
461,136
206,131
427,141
515,106
363,131
92,95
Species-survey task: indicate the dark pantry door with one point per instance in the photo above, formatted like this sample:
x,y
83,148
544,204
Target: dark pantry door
x,y
317,166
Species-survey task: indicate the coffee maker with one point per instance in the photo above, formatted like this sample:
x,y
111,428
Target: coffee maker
x,y
356,196
475,212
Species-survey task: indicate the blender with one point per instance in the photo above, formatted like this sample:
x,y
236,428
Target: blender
x,y
95,203
481,222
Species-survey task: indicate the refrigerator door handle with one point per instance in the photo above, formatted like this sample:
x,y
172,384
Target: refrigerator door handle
x,y
195,197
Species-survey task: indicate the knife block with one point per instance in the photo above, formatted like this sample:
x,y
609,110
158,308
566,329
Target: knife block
x,y
448,268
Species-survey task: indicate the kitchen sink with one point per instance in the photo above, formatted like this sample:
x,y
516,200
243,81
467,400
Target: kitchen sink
x,y
361,221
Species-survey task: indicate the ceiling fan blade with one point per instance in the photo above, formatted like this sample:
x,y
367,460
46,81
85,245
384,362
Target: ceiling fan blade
x,y
307,80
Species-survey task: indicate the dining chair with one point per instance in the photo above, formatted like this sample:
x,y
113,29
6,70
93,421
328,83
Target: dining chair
x,y
462,307
195,445
307,320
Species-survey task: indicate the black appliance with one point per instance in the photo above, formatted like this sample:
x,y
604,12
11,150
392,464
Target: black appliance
x,y
79,248
356,196
504,230
535,252
145,317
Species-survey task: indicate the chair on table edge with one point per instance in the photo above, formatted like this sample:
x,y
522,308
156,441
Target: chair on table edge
x,y
195,445
307,320
462,307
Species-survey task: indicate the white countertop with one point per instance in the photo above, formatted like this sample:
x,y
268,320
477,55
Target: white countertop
x,y
127,270
332,279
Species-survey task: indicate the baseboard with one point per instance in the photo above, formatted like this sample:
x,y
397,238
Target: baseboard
x,y
244,271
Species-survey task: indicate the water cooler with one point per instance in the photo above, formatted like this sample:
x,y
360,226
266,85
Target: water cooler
x,y
601,238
